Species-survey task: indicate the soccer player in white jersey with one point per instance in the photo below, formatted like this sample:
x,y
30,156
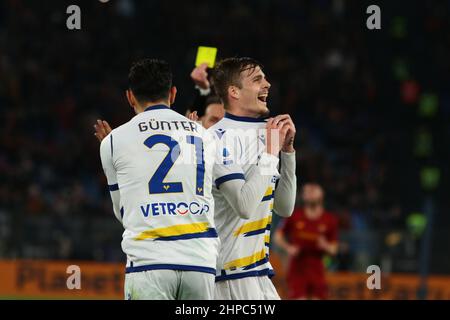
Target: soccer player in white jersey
x,y
252,178
159,166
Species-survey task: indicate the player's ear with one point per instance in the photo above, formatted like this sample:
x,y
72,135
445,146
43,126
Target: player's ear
x,y
172,95
234,92
130,98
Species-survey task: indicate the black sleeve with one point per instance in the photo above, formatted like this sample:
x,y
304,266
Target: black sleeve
x,y
198,103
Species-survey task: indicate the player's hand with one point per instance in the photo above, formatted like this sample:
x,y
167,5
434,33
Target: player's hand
x,y
293,251
193,116
330,248
285,119
322,243
102,129
275,135
200,76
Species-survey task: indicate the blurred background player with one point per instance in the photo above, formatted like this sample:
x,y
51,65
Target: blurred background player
x,y
165,205
214,112
245,174
307,236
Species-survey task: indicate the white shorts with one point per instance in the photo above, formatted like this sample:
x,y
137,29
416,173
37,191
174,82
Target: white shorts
x,y
251,288
169,285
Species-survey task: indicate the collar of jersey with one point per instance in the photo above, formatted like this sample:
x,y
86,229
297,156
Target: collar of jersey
x,y
244,119
157,107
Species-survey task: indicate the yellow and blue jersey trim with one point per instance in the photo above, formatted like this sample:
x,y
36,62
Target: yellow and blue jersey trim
x,y
267,240
256,273
245,265
179,232
178,267
173,233
246,262
269,195
254,227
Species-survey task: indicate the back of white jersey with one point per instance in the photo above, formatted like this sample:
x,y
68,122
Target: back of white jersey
x,y
163,164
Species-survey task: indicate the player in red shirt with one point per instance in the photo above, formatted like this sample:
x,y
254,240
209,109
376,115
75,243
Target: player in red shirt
x,y
308,235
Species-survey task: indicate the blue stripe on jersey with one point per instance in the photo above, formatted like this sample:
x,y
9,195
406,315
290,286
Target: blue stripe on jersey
x,y
255,232
178,267
157,107
259,273
121,212
228,177
113,187
210,233
257,263
269,197
244,119
111,141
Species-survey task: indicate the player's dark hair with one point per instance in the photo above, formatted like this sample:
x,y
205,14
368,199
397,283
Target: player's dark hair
x,y
150,80
213,99
228,73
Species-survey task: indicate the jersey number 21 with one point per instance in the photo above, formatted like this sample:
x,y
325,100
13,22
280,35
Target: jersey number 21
x,y
156,185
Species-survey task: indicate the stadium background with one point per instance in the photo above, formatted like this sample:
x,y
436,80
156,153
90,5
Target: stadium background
x,y
372,110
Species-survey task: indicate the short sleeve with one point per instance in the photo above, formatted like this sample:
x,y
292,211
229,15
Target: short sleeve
x,y
106,154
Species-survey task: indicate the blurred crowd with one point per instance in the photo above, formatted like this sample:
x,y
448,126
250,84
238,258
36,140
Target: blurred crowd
x,y
346,91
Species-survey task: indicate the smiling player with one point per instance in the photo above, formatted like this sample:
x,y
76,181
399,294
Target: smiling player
x,y
247,182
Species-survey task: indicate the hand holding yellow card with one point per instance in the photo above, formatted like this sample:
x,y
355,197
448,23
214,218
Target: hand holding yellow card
x,y
206,55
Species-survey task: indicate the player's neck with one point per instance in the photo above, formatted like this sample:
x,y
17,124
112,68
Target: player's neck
x,y
239,112
148,105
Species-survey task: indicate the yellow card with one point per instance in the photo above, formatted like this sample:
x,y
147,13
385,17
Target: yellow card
x,y
206,55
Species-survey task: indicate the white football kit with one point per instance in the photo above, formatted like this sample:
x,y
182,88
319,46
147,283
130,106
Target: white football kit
x,y
159,171
247,187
